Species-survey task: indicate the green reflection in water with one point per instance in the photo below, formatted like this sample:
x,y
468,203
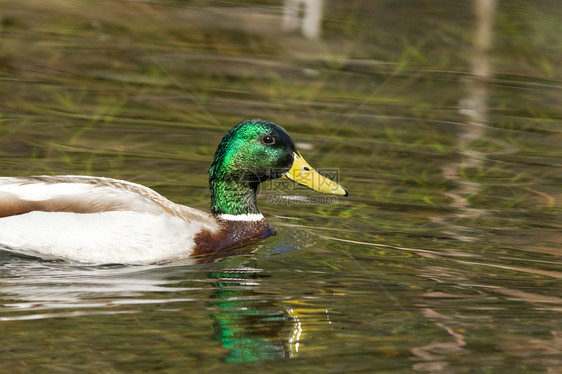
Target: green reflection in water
x,y
250,326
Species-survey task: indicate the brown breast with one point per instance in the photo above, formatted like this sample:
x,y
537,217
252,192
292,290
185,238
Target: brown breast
x,y
232,234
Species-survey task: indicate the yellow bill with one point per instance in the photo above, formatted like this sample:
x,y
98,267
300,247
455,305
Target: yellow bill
x,y
302,173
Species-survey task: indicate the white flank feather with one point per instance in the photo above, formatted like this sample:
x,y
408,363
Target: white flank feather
x,y
120,222
100,238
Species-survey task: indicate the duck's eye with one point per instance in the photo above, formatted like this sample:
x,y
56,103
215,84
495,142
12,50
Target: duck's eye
x,y
268,140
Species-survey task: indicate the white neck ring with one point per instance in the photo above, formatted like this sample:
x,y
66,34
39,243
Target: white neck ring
x,y
242,217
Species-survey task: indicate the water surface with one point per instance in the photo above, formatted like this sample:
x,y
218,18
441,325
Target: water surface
x,y
445,257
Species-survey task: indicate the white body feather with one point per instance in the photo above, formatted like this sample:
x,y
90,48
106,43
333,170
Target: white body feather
x,y
135,225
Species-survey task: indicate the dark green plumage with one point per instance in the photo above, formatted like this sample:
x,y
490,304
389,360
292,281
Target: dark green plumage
x,y
250,153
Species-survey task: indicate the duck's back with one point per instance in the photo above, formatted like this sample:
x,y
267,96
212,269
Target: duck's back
x,y
95,220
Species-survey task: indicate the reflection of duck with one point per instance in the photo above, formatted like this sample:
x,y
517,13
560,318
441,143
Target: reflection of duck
x,y
102,220
250,326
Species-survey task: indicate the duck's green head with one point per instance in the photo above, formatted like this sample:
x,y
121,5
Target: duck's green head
x,y
250,153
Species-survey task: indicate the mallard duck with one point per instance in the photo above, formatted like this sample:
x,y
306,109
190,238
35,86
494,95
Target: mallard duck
x,y
99,220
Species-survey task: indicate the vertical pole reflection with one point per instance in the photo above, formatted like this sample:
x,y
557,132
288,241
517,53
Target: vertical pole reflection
x,y
475,108
303,14
251,326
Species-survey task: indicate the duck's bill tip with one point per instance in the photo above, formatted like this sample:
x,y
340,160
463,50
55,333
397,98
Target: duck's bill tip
x,y
302,173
